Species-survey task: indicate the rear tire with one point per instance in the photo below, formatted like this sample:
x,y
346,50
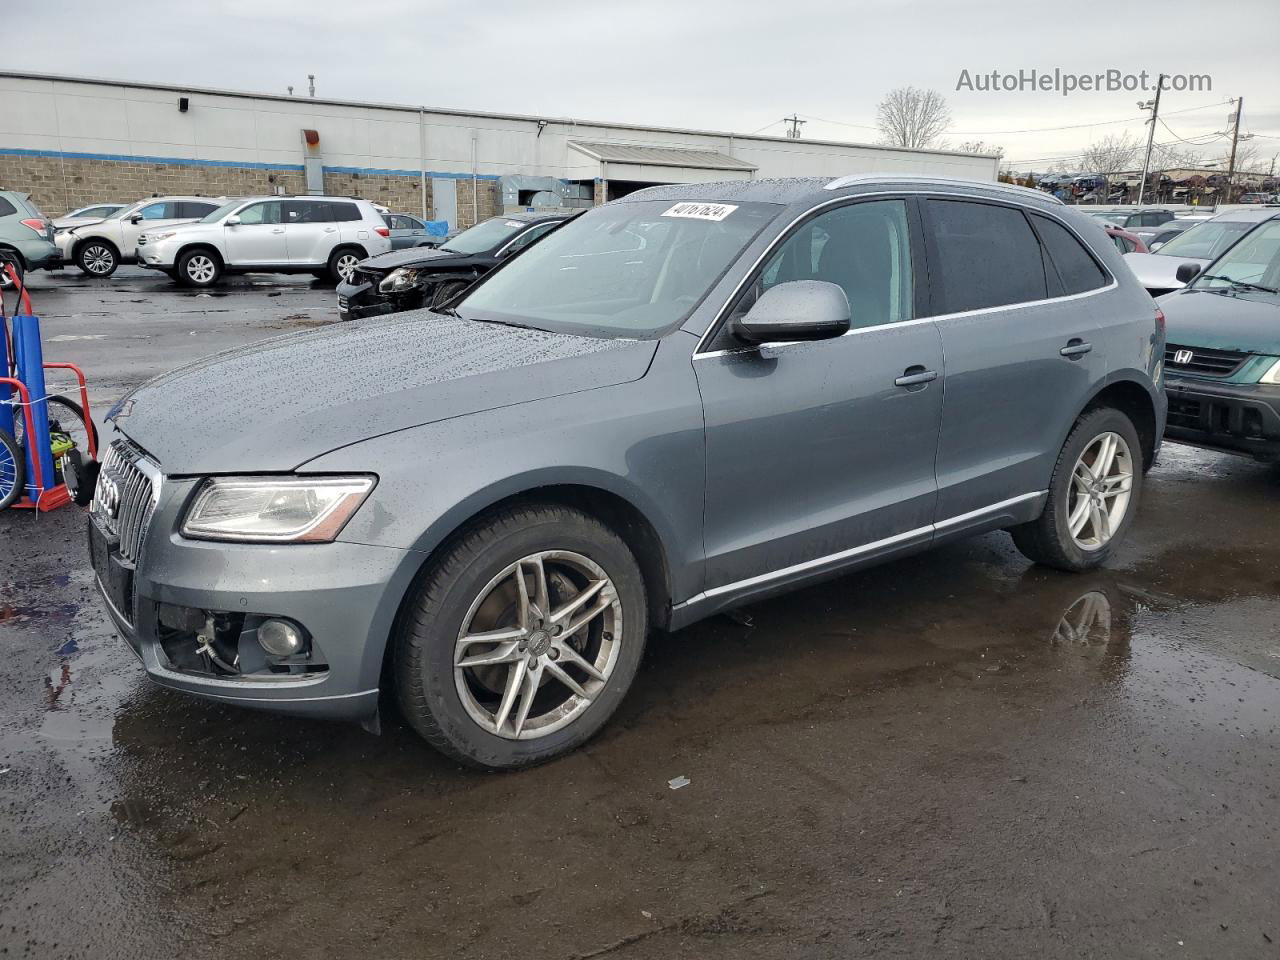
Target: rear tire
x,y
342,264
477,713
97,258
199,268
1049,539
10,257
13,467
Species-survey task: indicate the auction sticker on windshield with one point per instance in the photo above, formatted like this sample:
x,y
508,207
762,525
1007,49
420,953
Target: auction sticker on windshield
x,y
702,211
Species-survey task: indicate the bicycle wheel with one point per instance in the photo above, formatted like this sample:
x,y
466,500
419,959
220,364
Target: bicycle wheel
x,y
12,469
68,428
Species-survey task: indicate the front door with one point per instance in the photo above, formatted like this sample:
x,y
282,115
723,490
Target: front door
x,y
259,238
821,453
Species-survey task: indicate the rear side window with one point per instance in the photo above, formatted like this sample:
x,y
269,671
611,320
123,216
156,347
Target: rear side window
x,y
341,211
194,210
7,209
1076,267
988,256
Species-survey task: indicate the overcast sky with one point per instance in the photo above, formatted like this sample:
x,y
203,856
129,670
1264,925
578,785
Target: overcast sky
x,y
738,65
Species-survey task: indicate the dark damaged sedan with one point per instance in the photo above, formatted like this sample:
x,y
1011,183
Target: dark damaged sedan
x,y
428,277
679,402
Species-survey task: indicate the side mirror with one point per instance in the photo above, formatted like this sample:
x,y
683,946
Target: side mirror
x,y
231,222
797,310
136,218
1187,272
1155,246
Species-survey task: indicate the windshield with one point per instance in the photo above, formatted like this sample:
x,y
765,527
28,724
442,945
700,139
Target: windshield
x,y
633,269
1206,239
1254,261
485,236
221,212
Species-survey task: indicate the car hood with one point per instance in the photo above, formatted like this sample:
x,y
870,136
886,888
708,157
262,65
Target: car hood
x,y
274,405
1246,322
412,257
1156,272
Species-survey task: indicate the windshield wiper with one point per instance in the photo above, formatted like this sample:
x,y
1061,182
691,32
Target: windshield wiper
x,y
1238,284
506,323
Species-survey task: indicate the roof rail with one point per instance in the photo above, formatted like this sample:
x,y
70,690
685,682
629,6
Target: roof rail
x,y
856,178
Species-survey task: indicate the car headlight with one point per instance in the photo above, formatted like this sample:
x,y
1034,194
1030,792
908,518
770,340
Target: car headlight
x,y
1272,375
154,237
399,280
275,509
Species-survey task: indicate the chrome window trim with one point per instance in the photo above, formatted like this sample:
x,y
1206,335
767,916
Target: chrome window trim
x,y
832,558
699,352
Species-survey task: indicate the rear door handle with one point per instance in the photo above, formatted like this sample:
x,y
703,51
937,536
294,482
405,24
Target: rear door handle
x,y
278,230
914,376
1075,348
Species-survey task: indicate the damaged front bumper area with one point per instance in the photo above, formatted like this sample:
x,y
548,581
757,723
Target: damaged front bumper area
x,y
192,611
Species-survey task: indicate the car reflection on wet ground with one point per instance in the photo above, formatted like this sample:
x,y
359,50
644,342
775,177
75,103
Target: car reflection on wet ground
x,y
957,754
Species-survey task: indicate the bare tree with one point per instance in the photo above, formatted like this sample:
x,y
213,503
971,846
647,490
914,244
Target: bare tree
x,y
1112,154
910,117
981,146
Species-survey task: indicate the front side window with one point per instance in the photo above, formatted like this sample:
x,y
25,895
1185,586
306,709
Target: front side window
x,y
632,269
156,211
526,238
863,248
257,213
1075,266
988,256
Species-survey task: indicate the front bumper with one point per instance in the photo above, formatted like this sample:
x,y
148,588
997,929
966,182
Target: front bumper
x,y
1233,417
152,258
363,299
345,595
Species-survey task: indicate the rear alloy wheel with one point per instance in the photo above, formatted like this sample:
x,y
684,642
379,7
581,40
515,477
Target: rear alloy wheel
x,y
97,259
1092,497
523,639
342,265
199,268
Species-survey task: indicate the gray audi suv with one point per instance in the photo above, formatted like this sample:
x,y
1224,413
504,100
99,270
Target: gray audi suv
x,y
681,401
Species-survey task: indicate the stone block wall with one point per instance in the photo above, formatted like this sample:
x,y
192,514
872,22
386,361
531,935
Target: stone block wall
x,y
60,184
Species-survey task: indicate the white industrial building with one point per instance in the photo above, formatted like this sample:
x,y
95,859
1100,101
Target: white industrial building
x,y
73,135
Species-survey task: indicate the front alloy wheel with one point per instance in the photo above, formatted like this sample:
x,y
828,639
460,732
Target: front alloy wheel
x,y
97,260
538,644
522,636
199,269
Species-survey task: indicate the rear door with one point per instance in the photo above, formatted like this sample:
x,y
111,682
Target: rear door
x,y
1022,342
405,230
818,452
259,238
311,231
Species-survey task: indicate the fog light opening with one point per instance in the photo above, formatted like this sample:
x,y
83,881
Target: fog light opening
x,y
280,638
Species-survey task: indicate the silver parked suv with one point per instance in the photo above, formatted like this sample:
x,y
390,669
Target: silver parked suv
x,y
100,246
678,402
326,236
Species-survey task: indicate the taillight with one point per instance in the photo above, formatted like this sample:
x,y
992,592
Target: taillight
x,y
1159,319
382,231
36,224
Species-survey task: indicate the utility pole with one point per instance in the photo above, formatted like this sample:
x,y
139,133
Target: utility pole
x,y
1154,107
796,124
1235,139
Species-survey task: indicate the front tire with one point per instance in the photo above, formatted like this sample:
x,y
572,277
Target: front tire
x,y
199,268
522,638
1093,495
97,258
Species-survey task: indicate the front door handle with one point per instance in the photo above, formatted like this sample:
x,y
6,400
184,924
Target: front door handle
x,y
1075,348
278,230
914,376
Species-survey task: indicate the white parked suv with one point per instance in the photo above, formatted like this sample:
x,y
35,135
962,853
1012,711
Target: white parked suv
x,y
325,236
98,248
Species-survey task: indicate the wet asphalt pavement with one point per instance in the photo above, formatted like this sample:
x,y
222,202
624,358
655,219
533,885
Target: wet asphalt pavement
x,y
955,755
